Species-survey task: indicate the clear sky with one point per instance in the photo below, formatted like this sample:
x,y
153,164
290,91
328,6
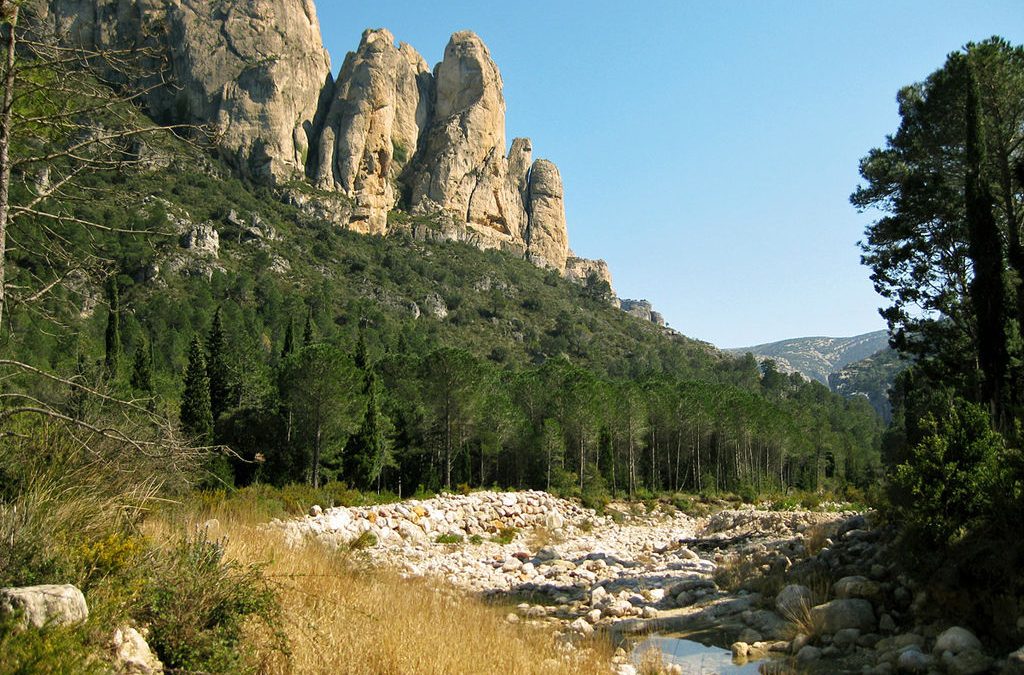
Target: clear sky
x,y
708,149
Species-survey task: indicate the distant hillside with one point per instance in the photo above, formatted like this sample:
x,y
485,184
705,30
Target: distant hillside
x,y
818,357
872,378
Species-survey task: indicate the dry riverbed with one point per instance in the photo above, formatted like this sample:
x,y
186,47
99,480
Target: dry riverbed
x,y
793,591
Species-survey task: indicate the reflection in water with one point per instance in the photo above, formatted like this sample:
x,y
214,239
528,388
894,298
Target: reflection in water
x,y
695,658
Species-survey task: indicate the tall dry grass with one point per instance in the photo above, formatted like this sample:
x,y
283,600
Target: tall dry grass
x,y
340,615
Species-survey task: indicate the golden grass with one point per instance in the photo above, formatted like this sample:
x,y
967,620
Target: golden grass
x,y
342,616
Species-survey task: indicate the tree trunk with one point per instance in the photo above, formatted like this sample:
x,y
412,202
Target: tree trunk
x,y
9,15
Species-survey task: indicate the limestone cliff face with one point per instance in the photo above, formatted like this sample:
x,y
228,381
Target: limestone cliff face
x,y
253,70
388,133
547,239
462,168
380,106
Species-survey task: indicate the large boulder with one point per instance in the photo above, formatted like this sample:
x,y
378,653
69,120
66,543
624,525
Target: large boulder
x,y
844,613
856,587
793,600
38,606
380,106
956,640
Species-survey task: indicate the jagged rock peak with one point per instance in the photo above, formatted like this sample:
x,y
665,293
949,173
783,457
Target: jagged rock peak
x,y
466,139
380,106
547,238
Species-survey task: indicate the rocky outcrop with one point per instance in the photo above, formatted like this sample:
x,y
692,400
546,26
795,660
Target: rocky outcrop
x,y
252,70
388,132
467,130
380,106
547,239
581,270
642,309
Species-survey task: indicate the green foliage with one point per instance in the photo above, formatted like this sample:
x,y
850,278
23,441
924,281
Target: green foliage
x,y
56,650
196,604
217,370
195,413
112,336
952,476
365,540
449,539
505,535
142,368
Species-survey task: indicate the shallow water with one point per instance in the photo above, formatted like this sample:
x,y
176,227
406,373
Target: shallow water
x,y
694,657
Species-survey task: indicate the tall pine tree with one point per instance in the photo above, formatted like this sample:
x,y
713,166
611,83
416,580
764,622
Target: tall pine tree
x,y
372,446
142,367
289,339
307,332
196,417
217,367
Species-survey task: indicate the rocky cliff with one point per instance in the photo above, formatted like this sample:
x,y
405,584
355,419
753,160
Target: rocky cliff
x,y
388,133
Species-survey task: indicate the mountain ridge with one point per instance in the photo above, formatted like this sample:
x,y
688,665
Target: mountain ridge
x,y
817,357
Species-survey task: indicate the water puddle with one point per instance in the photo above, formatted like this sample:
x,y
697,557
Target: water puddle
x,y
694,657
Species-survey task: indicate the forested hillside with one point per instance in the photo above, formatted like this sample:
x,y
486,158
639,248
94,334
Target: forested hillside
x,y
394,363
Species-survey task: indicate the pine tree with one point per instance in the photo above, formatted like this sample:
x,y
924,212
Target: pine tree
x,y
196,417
361,358
142,368
307,332
985,247
113,333
373,445
289,339
217,367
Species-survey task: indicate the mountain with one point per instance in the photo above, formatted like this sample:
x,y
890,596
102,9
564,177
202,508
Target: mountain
x,y
872,378
388,132
818,357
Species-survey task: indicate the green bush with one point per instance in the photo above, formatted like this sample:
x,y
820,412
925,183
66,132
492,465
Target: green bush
x,y
505,535
56,650
448,539
952,477
196,604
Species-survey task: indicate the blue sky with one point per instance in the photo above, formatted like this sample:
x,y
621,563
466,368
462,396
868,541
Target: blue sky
x,y
708,149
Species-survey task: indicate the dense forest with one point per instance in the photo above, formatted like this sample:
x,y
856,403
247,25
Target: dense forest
x,y
948,255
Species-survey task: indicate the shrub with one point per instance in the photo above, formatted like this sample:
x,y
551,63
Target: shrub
x,y
505,535
365,540
951,477
476,539
448,539
196,604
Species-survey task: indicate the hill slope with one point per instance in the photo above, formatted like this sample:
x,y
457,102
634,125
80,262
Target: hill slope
x,y
817,357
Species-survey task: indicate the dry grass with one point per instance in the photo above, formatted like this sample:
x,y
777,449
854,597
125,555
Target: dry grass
x,y
342,616
816,536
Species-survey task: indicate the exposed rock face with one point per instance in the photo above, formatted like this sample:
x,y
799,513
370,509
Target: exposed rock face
x,y
388,132
642,309
580,269
380,106
547,239
253,70
468,127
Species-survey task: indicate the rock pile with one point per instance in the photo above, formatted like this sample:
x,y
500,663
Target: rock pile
x,y
417,522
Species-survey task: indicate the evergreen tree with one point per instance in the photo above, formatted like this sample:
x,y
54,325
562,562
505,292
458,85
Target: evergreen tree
x,y
112,339
217,368
307,332
362,357
372,447
196,417
985,247
142,367
289,339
